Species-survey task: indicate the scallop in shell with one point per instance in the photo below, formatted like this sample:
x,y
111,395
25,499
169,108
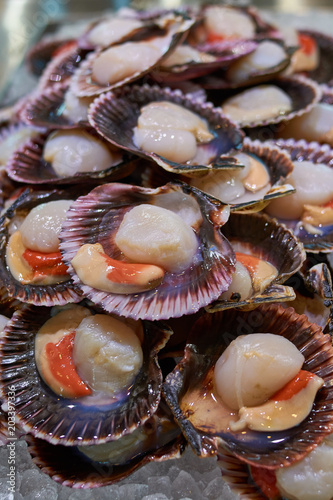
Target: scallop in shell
x,y
95,418
189,389
56,107
179,276
310,218
158,439
69,156
260,243
62,290
323,72
120,64
116,115
287,98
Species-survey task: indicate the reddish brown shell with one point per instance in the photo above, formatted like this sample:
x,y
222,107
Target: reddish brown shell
x,y
208,339
73,422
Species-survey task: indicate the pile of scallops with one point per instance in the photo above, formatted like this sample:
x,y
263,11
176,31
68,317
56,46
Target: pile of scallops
x,y
166,240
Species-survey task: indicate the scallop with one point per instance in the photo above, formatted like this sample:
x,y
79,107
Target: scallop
x,y
42,225
254,367
171,131
257,103
314,186
107,32
316,125
107,353
122,61
74,151
227,22
154,235
267,55
236,186
310,478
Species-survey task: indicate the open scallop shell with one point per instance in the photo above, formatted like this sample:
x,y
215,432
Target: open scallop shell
x,y
187,388
62,66
169,30
304,94
276,161
314,294
322,240
323,73
95,218
43,51
115,115
222,56
75,421
68,466
47,109
58,294
220,79
27,165
260,236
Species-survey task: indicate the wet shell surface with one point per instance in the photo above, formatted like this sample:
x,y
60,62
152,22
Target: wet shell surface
x,y
188,388
167,32
77,421
69,467
47,109
115,115
303,93
259,236
318,239
57,294
28,165
95,218
42,52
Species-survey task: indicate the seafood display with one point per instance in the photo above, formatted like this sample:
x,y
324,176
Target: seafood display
x,y
166,251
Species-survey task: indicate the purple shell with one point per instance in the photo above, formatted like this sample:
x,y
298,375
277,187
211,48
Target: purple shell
x,y
27,165
170,30
95,218
224,55
50,295
262,237
68,466
115,114
67,421
208,339
317,153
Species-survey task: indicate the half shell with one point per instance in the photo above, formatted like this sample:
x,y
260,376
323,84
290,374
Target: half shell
x,y
114,115
323,73
28,165
187,389
169,30
262,237
69,467
320,240
304,94
75,421
50,295
95,218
